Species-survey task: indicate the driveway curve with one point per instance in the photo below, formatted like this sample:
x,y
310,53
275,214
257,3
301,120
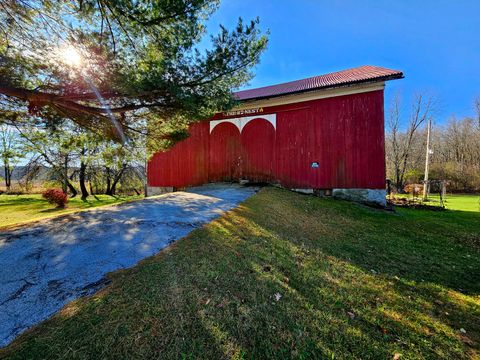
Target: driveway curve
x,y
46,265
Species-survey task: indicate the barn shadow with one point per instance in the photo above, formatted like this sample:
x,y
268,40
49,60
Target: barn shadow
x,y
339,299
214,293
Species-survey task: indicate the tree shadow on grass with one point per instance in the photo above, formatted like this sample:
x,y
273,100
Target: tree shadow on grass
x,y
416,245
352,311
19,201
255,285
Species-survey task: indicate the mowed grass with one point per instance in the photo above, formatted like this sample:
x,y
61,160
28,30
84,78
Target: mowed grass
x,y
18,209
462,202
287,276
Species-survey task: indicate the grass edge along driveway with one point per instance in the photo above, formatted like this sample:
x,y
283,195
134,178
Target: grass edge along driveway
x,y
17,210
287,276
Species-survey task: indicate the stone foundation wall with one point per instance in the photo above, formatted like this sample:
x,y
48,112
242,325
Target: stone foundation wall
x,y
369,196
157,190
374,197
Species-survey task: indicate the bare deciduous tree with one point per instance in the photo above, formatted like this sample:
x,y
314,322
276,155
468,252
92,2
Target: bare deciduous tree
x,y
400,143
456,149
477,108
56,150
10,152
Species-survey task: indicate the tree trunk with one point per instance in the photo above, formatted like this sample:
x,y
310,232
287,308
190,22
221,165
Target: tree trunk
x,y
83,188
108,191
91,187
112,188
71,188
112,184
65,175
8,176
115,181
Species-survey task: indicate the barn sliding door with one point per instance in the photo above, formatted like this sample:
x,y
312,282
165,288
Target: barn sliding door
x,y
224,153
258,149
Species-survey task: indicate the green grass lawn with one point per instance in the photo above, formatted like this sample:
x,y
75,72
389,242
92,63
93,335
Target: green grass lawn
x,y
462,202
287,276
17,209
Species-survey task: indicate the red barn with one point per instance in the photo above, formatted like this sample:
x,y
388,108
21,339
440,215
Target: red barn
x,y
323,134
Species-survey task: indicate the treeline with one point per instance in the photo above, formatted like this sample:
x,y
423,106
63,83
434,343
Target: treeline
x,y
83,162
79,161
454,147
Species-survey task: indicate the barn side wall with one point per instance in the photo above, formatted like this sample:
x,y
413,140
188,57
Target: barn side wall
x,y
332,143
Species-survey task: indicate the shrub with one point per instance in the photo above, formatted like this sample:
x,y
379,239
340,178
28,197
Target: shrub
x,y
414,189
413,176
51,184
56,196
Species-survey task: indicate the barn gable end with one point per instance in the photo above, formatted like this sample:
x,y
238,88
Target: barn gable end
x,y
323,134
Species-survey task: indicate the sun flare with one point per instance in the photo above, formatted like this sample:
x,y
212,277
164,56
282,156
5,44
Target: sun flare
x,y
71,56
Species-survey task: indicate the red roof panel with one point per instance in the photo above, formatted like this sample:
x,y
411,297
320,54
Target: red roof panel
x,y
359,74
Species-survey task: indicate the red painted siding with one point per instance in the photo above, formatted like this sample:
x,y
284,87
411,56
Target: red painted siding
x,y
296,149
186,164
344,134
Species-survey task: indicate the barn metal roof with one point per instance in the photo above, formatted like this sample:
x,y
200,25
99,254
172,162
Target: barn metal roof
x,y
366,73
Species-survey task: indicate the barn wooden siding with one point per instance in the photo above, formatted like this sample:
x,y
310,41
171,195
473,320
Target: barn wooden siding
x,y
344,135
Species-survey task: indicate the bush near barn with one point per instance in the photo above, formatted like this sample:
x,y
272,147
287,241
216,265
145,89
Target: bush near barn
x,y
56,196
413,189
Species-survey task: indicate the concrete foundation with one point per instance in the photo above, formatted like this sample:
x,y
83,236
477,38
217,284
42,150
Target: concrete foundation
x,y
304,191
376,197
369,196
157,190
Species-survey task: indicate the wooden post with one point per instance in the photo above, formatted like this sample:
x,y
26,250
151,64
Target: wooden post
x,y
443,192
389,189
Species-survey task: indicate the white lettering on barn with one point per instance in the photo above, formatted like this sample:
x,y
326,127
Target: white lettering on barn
x,y
243,112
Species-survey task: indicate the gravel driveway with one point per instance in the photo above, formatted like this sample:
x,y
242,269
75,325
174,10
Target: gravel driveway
x,y
46,265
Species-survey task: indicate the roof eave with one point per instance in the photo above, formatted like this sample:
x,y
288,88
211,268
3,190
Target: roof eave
x,y
378,79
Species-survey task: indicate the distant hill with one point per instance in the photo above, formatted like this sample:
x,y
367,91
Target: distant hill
x,y
44,173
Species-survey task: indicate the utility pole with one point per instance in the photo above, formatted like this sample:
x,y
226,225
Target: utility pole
x,y
427,160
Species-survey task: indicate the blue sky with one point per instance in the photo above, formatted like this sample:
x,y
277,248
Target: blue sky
x,y
435,43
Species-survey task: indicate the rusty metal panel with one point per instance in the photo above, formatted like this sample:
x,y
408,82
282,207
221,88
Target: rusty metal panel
x,y
366,73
